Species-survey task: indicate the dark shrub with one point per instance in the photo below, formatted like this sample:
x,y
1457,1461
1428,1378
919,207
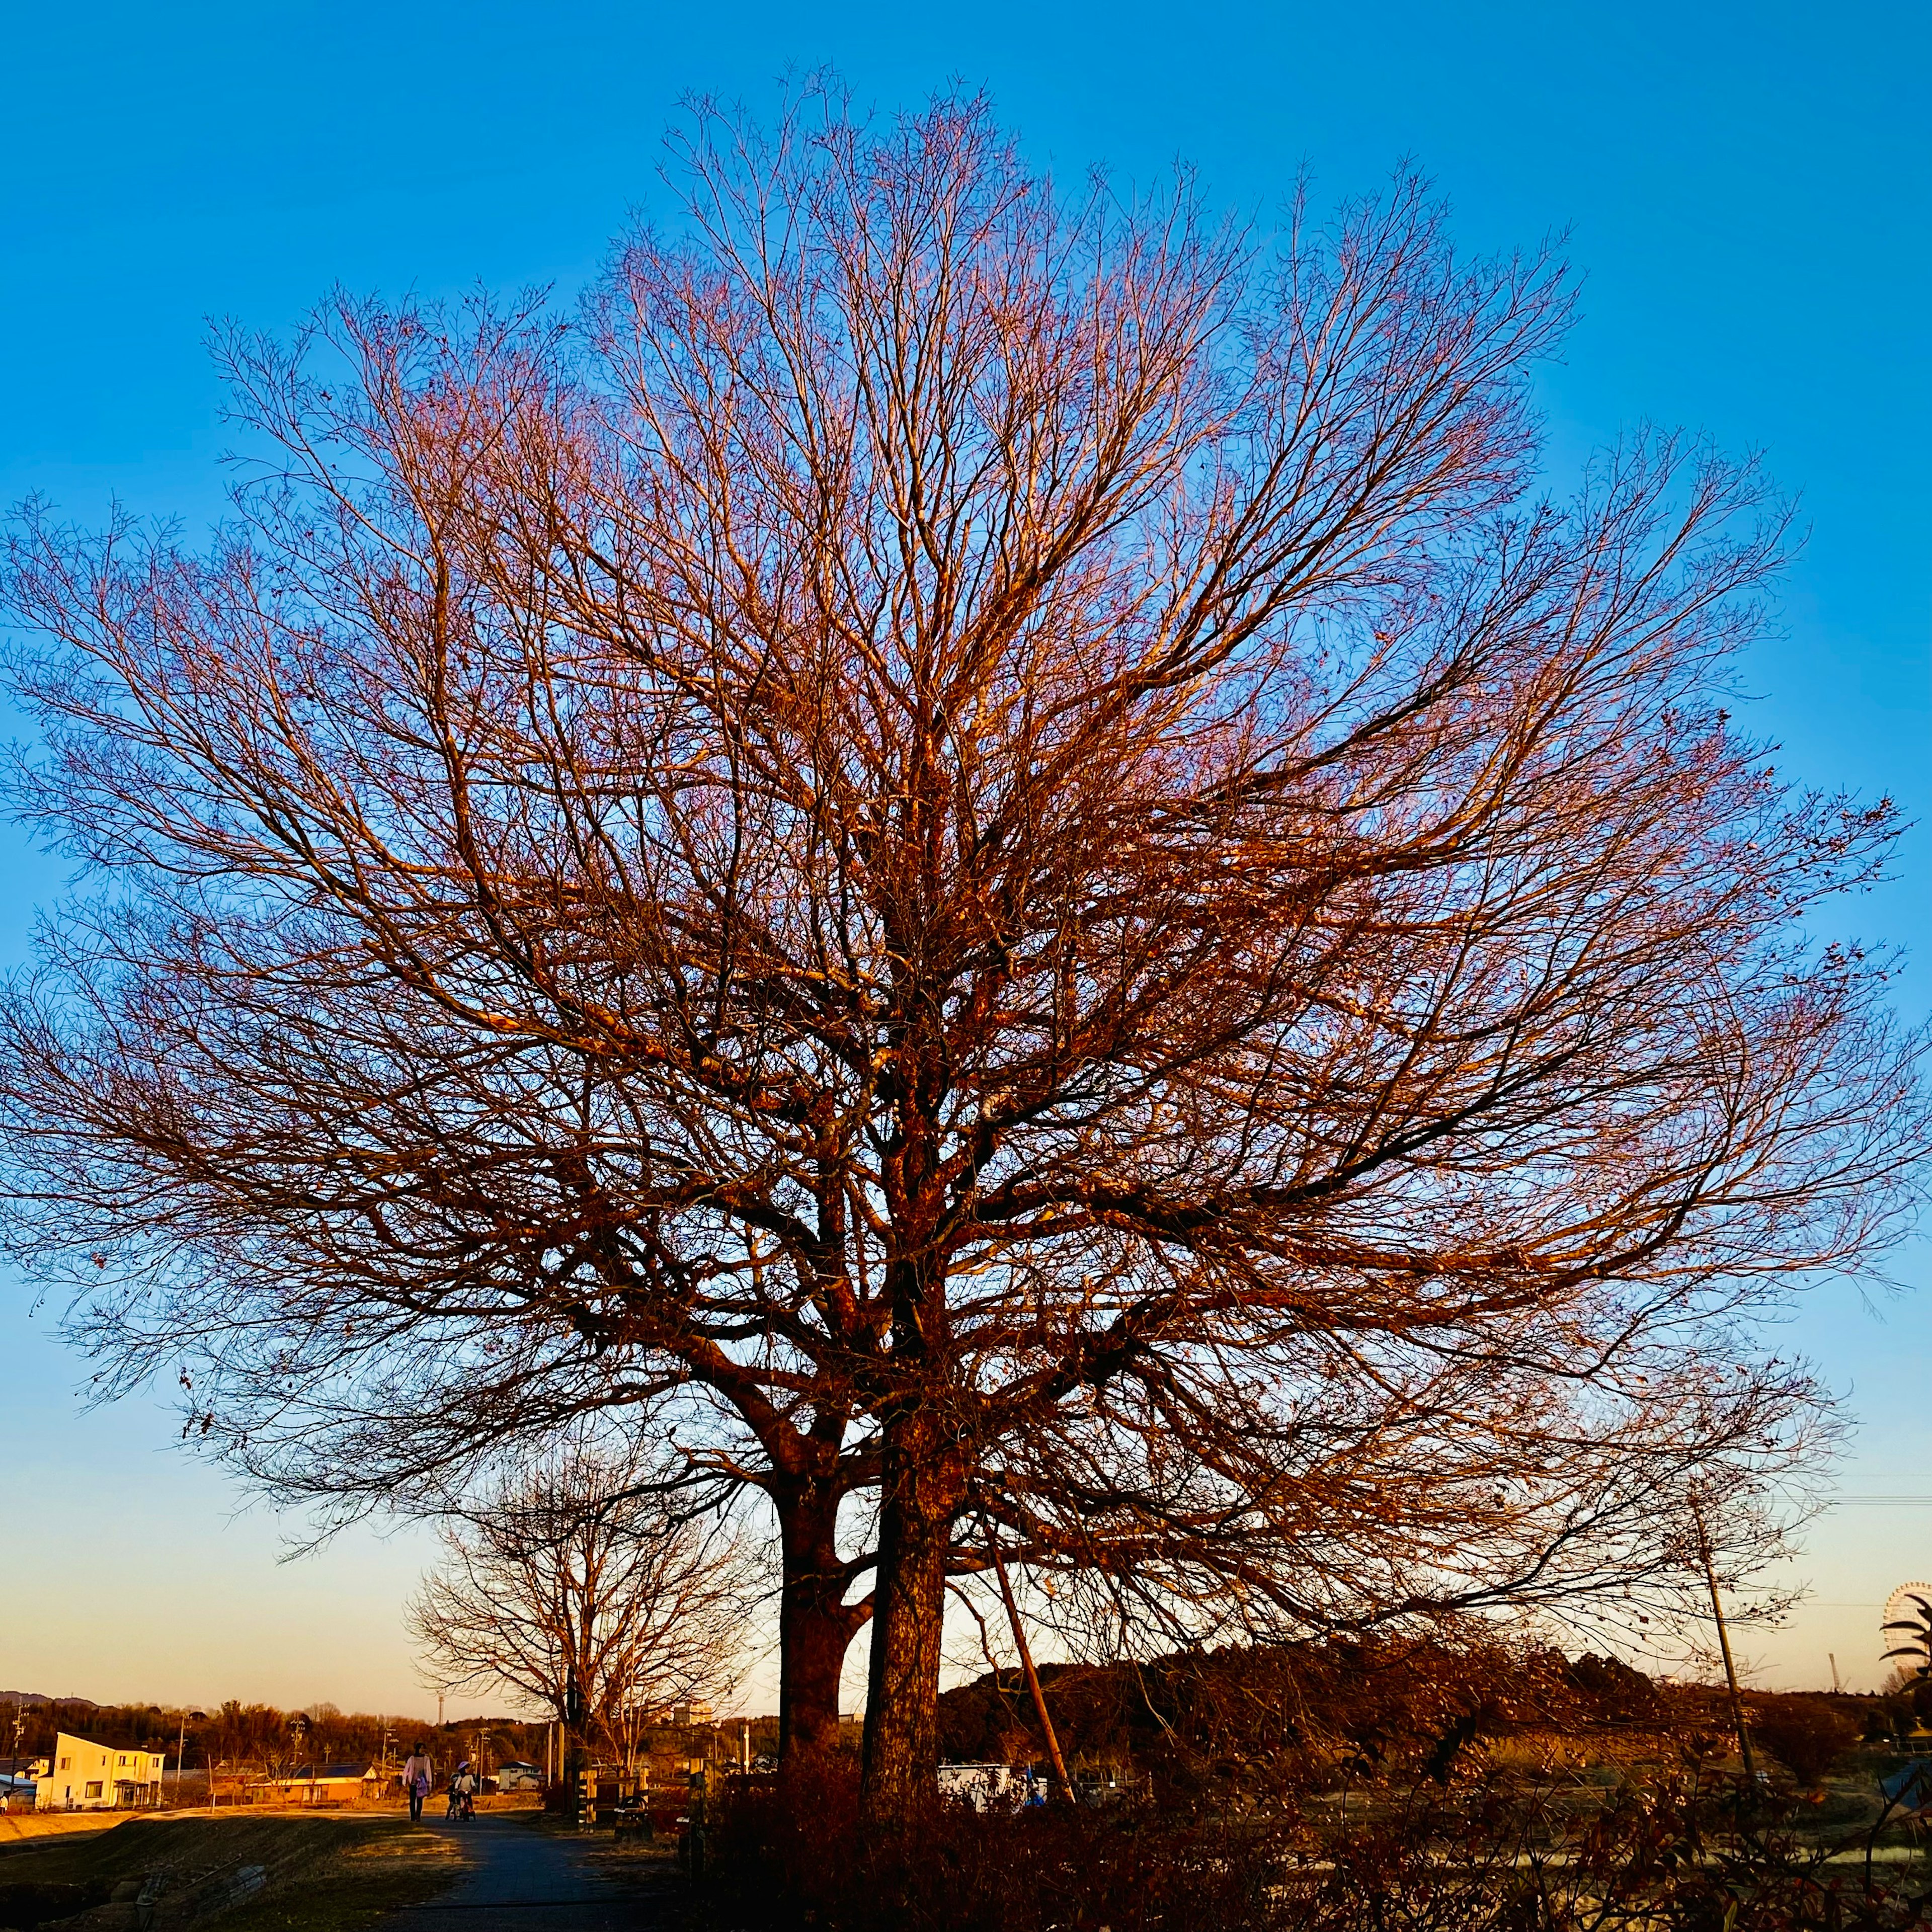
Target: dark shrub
x,y
1613,1691
1806,1735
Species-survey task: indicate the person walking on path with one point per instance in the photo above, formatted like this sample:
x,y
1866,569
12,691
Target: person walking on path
x,y
417,1774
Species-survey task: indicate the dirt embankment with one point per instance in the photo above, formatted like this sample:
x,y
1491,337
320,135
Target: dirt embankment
x,y
316,1874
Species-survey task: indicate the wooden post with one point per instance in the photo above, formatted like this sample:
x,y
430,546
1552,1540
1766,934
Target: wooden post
x,y
694,1839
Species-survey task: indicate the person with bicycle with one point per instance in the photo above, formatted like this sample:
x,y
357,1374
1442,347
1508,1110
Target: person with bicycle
x,y
463,1792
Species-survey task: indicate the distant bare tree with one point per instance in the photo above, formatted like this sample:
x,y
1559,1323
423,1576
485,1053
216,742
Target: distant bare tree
x,y
985,852
579,1586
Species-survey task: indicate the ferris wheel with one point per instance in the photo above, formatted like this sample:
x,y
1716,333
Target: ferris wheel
x,y
1907,1628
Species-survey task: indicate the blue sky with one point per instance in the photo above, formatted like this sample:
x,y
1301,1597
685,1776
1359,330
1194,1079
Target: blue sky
x,y
1746,189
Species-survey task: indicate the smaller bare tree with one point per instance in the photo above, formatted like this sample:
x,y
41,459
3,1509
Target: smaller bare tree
x,y
586,1585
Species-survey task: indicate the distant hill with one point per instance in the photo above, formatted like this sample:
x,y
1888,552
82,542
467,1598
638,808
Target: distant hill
x,y
35,1701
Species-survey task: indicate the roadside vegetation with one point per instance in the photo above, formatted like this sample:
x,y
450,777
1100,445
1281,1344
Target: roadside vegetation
x,y
1437,1787
1677,1848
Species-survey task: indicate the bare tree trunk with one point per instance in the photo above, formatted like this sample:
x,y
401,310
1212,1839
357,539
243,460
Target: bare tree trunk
x,y
923,1487
816,1628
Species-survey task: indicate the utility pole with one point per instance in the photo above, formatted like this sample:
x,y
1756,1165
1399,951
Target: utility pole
x,y
1032,1676
299,1733
1724,1646
181,1755
1832,1657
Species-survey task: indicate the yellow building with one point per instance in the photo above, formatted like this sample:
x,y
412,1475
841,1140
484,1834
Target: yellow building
x,y
84,1776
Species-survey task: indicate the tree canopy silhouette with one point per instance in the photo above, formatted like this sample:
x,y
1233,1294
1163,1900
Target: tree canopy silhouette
x,y
579,1584
985,850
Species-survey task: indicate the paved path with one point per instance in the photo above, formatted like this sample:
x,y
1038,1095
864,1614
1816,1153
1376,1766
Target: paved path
x,y
525,1879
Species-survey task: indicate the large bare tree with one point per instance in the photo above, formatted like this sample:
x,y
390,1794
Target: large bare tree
x,y
580,1584
984,849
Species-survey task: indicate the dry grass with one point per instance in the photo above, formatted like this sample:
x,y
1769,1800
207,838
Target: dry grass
x,y
330,1873
23,1827
396,1865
